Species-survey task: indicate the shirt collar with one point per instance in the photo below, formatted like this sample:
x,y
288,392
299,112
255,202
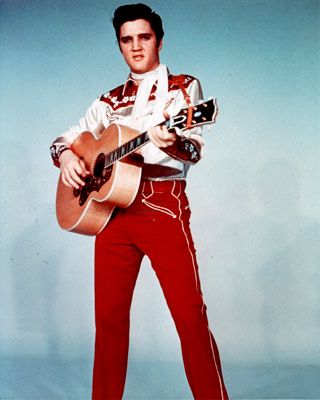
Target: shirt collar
x,y
131,81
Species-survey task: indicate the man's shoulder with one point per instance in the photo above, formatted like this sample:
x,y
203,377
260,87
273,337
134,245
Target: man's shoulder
x,y
121,95
124,95
175,81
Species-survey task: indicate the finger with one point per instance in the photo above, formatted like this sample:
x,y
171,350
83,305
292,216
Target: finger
x,y
83,166
152,136
166,138
170,135
64,181
69,181
161,137
74,177
157,134
80,168
167,143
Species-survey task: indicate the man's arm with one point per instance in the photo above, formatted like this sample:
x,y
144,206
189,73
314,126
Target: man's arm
x,y
185,146
90,122
178,147
73,169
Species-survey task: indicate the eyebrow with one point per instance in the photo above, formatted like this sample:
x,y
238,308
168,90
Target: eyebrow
x,y
139,35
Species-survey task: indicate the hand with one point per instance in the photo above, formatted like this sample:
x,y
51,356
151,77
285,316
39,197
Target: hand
x,y
72,169
161,137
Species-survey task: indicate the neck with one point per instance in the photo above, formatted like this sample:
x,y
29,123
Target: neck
x,y
140,77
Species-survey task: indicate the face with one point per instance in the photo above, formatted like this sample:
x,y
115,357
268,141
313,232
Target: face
x,y
138,44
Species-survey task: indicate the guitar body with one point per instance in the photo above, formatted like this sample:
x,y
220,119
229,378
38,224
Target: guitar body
x,y
88,209
114,161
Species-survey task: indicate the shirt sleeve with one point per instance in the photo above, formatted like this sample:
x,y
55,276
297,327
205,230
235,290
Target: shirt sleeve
x,y
191,147
89,122
195,134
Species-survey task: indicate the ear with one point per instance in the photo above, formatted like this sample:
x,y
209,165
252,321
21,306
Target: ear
x,y
160,45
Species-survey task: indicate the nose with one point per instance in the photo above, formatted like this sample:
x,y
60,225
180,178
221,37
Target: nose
x,y
136,44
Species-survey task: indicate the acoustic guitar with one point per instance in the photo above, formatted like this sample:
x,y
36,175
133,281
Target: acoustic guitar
x,y
115,165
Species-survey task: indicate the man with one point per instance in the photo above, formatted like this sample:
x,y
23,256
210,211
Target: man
x,y
156,224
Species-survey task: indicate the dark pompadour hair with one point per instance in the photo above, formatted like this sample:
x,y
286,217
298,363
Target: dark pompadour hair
x,y
131,12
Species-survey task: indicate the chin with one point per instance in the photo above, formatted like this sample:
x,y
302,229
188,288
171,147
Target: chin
x,y
142,68
139,70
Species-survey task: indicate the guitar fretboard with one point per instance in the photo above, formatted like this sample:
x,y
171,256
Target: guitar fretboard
x,y
126,149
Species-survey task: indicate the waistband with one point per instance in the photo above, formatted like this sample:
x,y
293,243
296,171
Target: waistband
x,y
161,172
176,186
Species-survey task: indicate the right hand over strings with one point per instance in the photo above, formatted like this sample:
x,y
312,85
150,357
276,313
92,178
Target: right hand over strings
x,y
73,169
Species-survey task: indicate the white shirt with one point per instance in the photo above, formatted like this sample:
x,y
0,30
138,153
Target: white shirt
x,y
116,107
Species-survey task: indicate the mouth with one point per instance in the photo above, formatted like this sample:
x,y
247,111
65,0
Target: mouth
x,y
138,57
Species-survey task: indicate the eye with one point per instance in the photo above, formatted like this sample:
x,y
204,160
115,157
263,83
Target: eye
x,y
125,40
145,37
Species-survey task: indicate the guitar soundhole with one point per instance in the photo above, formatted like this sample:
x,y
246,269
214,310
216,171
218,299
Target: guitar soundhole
x,y
99,165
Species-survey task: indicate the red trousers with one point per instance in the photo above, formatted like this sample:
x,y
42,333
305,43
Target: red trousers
x,y
156,225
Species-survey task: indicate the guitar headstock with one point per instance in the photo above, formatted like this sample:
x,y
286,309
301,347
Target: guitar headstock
x,y
202,114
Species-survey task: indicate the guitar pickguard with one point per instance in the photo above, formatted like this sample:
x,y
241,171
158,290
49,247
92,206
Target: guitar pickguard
x,y
92,184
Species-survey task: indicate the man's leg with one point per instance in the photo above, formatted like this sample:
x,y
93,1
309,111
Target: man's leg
x,y
170,247
117,264
199,349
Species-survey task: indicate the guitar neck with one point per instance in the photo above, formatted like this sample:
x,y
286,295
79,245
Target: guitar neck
x,y
126,149
204,113
129,147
